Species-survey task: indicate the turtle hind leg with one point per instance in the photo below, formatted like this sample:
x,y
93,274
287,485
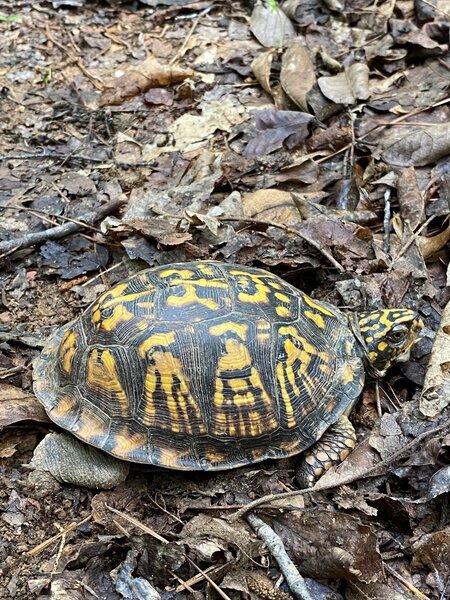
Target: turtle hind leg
x,y
333,447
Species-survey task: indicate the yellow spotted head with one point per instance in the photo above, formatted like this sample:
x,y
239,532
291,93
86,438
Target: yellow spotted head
x,y
386,336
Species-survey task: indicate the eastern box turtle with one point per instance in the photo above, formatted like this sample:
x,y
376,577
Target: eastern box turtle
x,y
209,366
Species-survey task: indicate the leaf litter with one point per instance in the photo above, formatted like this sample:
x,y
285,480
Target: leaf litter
x,y
308,137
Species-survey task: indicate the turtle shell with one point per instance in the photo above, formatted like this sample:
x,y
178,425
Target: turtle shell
x,y
201,366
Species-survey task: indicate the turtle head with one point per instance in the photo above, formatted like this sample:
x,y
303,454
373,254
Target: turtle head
x,y
386,336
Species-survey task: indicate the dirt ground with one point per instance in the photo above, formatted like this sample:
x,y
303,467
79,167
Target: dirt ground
x,y
311,140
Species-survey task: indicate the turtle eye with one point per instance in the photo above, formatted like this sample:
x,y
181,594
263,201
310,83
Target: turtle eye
x,y
398,335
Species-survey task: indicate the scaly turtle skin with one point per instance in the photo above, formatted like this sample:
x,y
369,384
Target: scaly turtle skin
x,y
209,366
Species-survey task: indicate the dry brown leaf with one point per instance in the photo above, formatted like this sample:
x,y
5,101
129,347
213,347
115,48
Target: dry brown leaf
x,y
137,79
432,552
410,198
429,246
347,87
271,205
436,388
271,27
416,147
297,74
371,591
262,66
17,405
328,544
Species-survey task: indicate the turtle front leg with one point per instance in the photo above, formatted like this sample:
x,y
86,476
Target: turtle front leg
x,y
333,447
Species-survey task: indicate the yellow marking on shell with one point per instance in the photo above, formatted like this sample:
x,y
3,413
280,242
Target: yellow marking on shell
x,y
102,373
239,328
373,356
369,339
213,456
190,296
254,414
347,374
263,331
90,426
317,306
127,442
169,457
183,411
119,316
64,409
382,346
288,330
206,269
318,472
282,297
181,273
288,377
261,296
283,311
275,285
343,454
163,339
67,350
316,318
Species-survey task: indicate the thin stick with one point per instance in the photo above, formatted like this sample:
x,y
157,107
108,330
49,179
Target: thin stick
x,y
55,538
55,233
408,585
387,222
394,122
343,480
268,223
74,58
276,548
137,523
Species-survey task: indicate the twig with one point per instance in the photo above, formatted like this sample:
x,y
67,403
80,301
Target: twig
x,y
56,537
137,523
74,58
387,222
150,531
180,51
268,223
408,585
339,481
55,233
277,550
414,112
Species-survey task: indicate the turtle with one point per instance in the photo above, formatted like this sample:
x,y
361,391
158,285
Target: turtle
x,y
205,366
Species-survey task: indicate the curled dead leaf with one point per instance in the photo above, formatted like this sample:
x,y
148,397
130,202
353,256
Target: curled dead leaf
x,y
17,405
137,79
436,389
